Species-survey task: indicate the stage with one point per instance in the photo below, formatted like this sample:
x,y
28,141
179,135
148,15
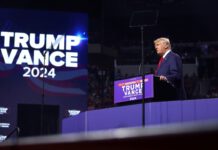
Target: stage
x,y
169,125
156,113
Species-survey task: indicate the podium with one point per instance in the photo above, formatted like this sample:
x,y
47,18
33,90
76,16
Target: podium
x,y
163,91
131,89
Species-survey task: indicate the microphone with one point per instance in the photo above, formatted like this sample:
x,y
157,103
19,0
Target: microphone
x,y
18,131
139,69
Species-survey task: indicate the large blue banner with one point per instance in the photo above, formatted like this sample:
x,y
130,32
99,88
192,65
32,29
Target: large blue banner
x,y
43,59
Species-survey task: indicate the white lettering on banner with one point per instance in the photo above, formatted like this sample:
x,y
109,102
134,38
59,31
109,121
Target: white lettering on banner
x,y
72,41
8,58
39,49
132,89
20,40
54,43
40,57
24,57
47,41
40,43
7,36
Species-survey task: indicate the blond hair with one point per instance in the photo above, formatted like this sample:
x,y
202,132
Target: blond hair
x,y
163,39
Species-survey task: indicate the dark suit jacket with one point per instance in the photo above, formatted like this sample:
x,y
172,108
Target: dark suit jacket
x,y
171,67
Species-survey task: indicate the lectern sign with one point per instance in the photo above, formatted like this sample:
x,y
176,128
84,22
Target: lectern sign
x,y
131,89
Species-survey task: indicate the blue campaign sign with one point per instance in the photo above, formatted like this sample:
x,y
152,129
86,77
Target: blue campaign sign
x,y
43,59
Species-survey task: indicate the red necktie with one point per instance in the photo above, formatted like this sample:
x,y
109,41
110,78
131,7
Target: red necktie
x,y
159,63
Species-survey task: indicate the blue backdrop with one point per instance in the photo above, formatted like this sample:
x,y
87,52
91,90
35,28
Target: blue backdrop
x,y
67,88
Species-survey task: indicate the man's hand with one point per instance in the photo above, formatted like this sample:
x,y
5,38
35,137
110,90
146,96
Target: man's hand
x,y
163,78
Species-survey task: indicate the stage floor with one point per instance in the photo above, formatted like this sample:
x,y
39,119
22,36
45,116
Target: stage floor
x,y
196,135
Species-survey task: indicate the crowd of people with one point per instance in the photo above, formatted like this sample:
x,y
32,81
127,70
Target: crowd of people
x,y
100,84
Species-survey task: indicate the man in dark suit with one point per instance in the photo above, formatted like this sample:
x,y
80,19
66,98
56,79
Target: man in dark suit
x,y
170,66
